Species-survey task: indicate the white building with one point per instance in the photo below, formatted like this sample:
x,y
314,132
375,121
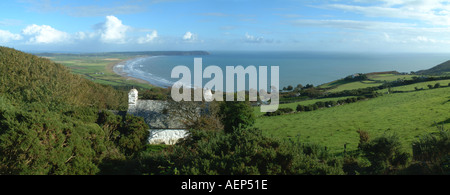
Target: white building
x,y
164,128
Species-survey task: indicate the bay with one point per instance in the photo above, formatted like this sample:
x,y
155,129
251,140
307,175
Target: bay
x,y
295,67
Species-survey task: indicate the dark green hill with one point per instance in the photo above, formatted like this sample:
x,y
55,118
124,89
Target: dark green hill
x,y
443,68
28,78
53,122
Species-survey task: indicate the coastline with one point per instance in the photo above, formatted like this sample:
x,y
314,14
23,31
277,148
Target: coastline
x,y
117,68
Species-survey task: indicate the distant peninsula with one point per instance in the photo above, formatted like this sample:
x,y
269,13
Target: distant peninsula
x,y
131,53
443,68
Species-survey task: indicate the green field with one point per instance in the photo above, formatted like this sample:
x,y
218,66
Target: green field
x,y
374,80
388,77
98,68
304,103
355,85
408,115
422,85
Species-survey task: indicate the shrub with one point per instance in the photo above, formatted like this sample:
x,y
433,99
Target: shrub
x,y
235,115
351,166
43,143
311,107
300,108
385,154
320,104
437,85
35,140
242,152
363,138
286,110
330,103
433,151
133,135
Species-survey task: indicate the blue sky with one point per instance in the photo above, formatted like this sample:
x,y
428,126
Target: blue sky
x,y
282,25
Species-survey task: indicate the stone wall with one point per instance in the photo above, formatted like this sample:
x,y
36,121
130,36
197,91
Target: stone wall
x,y
166,136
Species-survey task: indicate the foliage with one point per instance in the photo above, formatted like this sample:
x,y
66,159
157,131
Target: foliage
x,y
432,152
280,111
155,94
384,153
133,135
50,122
409,115
356,77
236,114
241,152
29,78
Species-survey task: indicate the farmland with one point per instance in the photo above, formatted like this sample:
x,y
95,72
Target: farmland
x,y
98,68
409,115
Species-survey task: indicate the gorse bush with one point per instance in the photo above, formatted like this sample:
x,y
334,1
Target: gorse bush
x,y
385,154
432,152
236,114
50,122
38,141
242,152
28,78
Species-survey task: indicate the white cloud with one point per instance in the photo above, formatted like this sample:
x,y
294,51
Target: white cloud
x,y
429,11
113,31
253,39
45,34
81,35
424,39
6,36
188,36
351,24
148,38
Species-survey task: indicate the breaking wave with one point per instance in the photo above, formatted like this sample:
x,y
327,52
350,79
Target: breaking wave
x,y
133,69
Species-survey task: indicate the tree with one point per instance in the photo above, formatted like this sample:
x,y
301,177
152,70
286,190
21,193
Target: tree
x,y
235,115
437,85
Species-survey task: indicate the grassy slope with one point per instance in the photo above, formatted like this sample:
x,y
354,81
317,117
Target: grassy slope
x,y
374,81
29,78
443,68
423,85
407,114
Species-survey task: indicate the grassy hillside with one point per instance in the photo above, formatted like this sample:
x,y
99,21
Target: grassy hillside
x,y
29,78
443,68
373,80
409,115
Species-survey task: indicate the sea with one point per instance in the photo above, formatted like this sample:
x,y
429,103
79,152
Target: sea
x,y
294,67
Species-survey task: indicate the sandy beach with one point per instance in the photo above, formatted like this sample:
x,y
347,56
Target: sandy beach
x,y
117,68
